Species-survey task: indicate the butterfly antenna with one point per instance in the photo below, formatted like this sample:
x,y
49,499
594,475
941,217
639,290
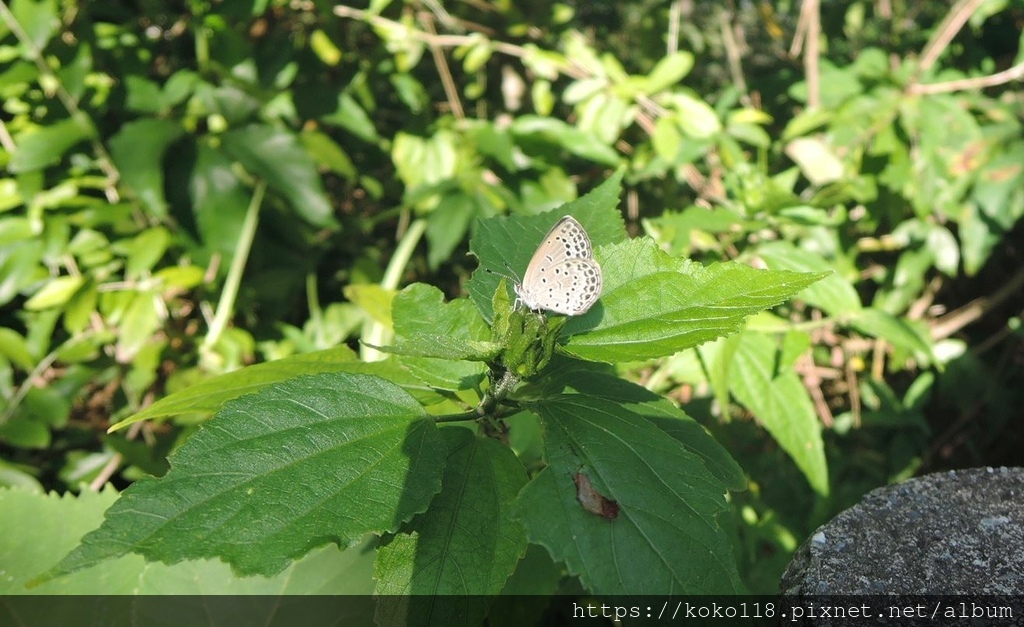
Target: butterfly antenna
x,y
515,279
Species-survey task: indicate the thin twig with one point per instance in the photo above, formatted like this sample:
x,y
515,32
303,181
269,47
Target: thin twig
x,y
104,475
812,383
811,10
732,54
675,16
951,25
448,41
853,390
955,320
450,91
964,84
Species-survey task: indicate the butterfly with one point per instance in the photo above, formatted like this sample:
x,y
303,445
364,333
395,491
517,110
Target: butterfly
x,y
562,276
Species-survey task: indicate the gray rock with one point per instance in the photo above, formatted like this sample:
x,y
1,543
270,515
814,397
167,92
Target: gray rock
x,y
959,532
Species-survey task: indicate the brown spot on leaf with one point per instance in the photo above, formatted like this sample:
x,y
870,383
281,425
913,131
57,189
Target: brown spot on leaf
x,y
592,500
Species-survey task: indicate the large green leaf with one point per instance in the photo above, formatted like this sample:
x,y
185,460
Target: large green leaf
x,y
208,396
653,305
313,460
466,544
832,294
666,537
41,147
434,337
40,528
534,129
279,158
583,378
219,202
138,150
780,401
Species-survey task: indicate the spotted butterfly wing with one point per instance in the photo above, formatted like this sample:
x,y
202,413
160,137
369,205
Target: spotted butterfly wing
x,y
562,276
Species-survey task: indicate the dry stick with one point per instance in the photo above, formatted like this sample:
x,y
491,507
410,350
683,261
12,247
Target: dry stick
x,y
853,389
951,25
447,41
996,337
812,383
811,12
675,16
955,320
105,474
919,307
732,54
799,34
979,82
444,16
441,63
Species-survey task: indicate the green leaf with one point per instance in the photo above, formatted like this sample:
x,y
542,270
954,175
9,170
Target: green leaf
x,y
466,544
425,161
374,299
38,19
328,153
427,327
662,413
145,250
208,396
532,128
14,348
278,157
55,292
41,147
180,277
816,159
780,401
444,347
138,150
833,294
880,324
447,225
717,358
25,432
16,228
313,460
695,117
137,327
668,71
220,202
603,117
39,528
435,335
669,506
350,116
653,305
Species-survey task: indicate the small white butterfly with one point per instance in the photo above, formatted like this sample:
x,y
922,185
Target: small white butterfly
x,y
562,276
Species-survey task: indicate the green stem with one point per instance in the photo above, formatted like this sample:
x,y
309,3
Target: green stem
x,y
228,296
316,314
377,333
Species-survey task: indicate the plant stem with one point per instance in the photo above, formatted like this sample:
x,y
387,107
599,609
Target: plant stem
x,y
375,332
228,295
